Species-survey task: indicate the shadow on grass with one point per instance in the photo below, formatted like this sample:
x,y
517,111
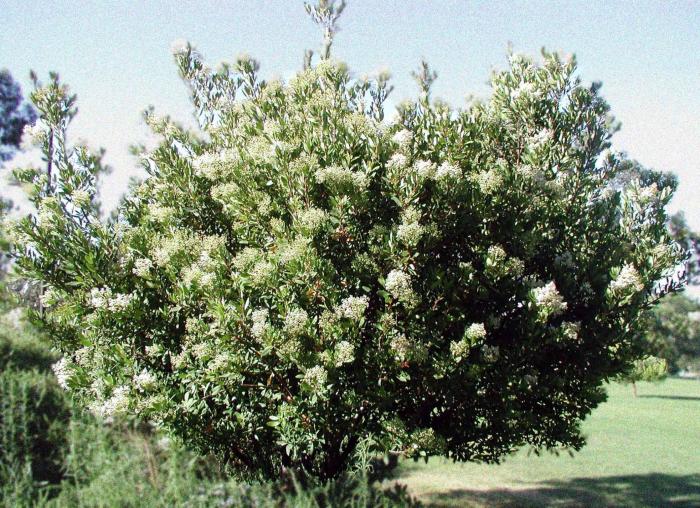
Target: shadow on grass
x,y
650,490
670,397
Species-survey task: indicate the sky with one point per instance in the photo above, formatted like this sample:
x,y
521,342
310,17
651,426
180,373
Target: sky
x,y
115,55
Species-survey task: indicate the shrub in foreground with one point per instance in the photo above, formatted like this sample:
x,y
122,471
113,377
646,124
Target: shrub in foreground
x,y
301,279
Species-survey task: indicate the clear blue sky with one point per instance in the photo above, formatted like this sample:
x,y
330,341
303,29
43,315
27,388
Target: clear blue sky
x,y
115,55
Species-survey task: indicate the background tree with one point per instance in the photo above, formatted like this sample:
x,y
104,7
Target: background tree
x,y
15,114
690,241
674,333
305,283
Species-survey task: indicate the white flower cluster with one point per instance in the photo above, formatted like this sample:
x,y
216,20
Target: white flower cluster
x,y
160,213
261,272
540,139
145,380
549,301
246,258
344,353
475,332
459,349
34,135
337,177
489,181
295,322
403,138
47,213
352,307
142,267
63,372
398,284
424,169
397,161
213,165
524,91
294,250
117,404
312,219
410,234
81,198
401,346
99,297
316,377
472,334
260,323
447,172
166,248
627,281
201,272
120,302
570,330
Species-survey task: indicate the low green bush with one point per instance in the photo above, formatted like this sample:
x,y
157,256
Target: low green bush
x,y
34,416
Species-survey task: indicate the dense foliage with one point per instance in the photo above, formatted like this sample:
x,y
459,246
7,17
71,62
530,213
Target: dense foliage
x,y
303,282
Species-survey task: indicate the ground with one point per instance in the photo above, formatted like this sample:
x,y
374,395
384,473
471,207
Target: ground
x,y
640,452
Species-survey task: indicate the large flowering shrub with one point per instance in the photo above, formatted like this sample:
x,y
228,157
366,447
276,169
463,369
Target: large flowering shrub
x,y
303,279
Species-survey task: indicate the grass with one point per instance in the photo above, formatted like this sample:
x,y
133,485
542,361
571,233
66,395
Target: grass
x,y
640,452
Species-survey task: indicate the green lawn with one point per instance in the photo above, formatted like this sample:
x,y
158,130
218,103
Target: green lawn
x,y
640,452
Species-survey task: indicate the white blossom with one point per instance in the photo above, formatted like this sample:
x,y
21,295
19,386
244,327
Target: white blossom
x,y
336,176
403,137
261,272
540,139
447,171
525,90
142,267
475,332
63,372
260,324
410,233
398,284
120,302
397,161
570,330
401,346
117,404
648,193
549,300
627,280
344,353
353,307
295,322
166,248
312,219
145,380
489,181
160,213
81,198
34,135
424,169
99,297
316,377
